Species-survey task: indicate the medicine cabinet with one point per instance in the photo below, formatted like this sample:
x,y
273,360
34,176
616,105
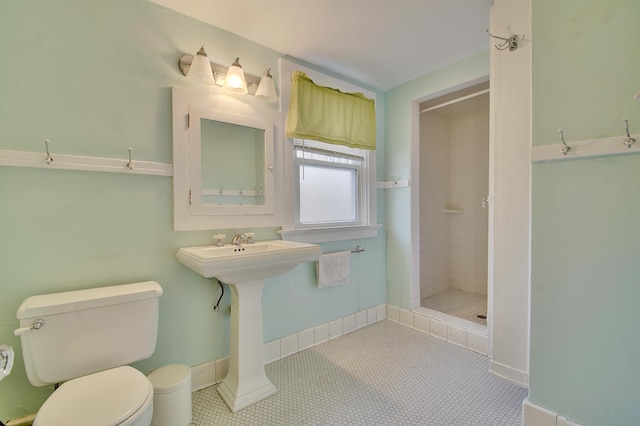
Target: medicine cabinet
x,y
226,161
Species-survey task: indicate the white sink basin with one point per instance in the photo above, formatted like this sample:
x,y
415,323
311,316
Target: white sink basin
x,y
249,262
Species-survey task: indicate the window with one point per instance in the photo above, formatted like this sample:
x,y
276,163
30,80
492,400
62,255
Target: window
x,y
328,185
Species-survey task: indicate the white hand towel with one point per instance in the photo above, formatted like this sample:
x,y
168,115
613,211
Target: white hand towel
x,y
333,269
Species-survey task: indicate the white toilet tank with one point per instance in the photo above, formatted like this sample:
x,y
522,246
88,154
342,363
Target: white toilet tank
x,y
87,331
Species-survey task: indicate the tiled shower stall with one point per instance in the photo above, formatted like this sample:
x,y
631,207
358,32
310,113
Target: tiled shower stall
x,y
454,176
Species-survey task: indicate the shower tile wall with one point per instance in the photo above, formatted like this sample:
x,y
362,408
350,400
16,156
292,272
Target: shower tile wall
x,y
454,170
434,196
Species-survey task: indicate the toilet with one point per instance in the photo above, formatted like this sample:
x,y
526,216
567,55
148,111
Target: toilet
x,y
86,339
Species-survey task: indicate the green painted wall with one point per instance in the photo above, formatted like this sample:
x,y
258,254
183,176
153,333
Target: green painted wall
x,y
399,104
585,343
95,78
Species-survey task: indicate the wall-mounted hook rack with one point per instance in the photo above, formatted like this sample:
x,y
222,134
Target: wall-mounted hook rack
x,y
566,148
628,141
85,163
512,43
588,148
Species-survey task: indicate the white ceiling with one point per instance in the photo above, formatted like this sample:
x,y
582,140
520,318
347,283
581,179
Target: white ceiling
x,y
380,43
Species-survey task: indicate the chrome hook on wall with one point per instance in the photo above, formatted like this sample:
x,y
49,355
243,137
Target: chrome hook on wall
x,y
48,159
628,141
566,148
511,43
130,163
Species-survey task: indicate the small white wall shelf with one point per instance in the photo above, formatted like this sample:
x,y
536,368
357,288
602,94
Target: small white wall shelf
x,y
584,149
76,162
399,183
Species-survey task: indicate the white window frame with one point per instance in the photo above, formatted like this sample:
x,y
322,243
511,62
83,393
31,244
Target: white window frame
x,y
309,146
367,226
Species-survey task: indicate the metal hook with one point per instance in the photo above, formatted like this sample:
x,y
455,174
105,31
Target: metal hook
x,y
130,163
511,43
48,159
220,192
628,141
566,148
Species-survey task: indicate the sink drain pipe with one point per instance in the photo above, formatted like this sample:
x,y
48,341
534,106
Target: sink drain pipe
x,y
216,307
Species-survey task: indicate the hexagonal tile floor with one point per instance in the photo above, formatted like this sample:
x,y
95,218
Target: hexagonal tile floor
x,y
382,374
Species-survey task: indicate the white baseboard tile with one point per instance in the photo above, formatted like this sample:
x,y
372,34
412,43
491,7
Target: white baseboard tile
x,y
335,329
534,415
477,342
321,333
460,332
222,368
382,312
421,323
306,339
372,315
361,319
203,375
457,335
406,318
349,323
562,421
288,345
271,351
438,329
510,374
393,313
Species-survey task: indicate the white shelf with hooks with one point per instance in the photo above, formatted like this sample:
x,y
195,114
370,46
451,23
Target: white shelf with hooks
x,y
600,147
77,162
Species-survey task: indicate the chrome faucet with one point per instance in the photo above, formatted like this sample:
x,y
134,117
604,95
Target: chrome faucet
x,y
219,240
238,239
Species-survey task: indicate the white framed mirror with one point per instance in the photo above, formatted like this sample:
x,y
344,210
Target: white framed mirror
x,y
226,164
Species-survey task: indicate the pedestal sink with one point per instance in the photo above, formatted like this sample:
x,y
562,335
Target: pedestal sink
x,y
245,268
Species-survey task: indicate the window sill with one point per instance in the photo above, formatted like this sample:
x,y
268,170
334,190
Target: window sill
x,y
324,235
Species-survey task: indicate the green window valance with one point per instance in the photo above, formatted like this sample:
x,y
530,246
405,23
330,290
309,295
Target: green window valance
x,y
329,115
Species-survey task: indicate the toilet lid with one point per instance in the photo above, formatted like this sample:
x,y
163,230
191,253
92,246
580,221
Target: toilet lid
x,y
105,398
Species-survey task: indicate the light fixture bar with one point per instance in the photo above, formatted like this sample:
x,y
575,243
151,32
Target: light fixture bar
x,y
219,73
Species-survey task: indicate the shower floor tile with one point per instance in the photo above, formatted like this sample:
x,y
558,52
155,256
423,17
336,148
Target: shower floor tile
x,y
458,303
382,374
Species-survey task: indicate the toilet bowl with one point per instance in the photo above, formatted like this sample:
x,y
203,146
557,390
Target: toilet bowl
x,y
121,396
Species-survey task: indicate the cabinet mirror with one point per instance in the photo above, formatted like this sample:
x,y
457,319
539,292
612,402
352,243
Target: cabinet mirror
x,y
223,166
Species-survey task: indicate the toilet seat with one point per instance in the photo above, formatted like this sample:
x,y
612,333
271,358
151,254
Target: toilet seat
x,y
108,398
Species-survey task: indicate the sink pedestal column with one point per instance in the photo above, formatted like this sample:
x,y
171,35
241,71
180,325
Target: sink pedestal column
x,y
246,382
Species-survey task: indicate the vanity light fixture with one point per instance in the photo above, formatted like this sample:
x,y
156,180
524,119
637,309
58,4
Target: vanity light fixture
x,y
267,87
198,68
234,79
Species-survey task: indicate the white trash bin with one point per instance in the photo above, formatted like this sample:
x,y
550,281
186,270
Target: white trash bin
x,y
171,395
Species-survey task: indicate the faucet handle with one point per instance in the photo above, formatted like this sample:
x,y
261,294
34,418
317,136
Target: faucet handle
x,y
219,239
250,237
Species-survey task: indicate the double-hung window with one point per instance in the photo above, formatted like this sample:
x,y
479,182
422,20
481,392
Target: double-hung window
x,y
329,185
